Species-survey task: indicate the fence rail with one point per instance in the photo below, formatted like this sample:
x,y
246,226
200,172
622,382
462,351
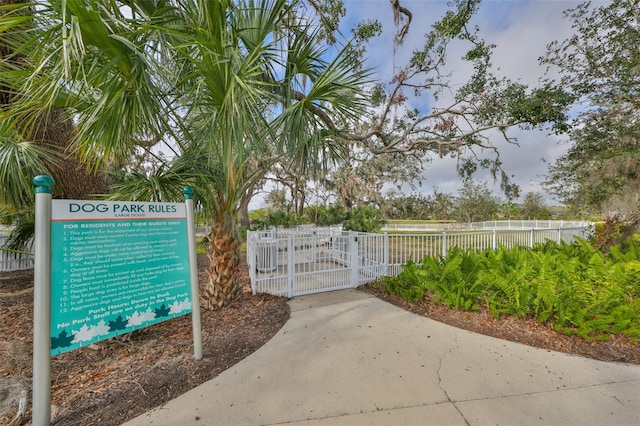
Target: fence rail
x,y
291,262
12,260
493,224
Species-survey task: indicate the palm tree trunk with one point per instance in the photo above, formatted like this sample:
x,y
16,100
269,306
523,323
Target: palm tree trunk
x,y
244,206
75,181
224,262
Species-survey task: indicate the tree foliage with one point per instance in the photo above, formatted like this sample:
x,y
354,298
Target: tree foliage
x,y
533,207
460,124
334,214
436,206
364,219
360,177
476,202
600,64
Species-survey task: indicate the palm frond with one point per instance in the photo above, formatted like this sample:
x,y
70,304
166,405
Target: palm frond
x,y
163,185
21,162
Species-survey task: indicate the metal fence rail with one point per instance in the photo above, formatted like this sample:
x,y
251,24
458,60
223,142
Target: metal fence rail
x,y
293,262
492,224
528,224
12,260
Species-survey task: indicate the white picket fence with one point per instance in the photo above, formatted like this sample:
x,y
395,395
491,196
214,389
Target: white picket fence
x,y
12,260
296,262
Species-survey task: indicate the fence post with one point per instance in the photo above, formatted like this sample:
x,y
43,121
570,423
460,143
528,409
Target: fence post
x,y
386,254
41,405
494,240
193,274
314,246
559,239
291,266
531,238
355,265
444,244
251,260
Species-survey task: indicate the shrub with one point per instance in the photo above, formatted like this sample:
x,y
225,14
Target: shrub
x,y
364,219
574,288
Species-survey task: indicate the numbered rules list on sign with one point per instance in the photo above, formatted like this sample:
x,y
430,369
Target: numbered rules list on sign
x,y
115,267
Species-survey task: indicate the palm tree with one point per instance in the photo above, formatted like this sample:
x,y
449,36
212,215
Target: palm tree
x,y
233,86
247,63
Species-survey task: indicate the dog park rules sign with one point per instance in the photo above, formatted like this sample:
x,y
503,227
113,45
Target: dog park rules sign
x,y
115,267
104,268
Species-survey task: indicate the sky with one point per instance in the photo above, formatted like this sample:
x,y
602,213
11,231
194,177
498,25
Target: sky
x,y
521,29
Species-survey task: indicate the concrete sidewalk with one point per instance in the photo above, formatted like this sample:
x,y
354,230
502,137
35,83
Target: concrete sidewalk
x,y
345,358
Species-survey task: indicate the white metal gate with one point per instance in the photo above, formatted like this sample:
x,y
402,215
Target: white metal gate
x,y
313,262
298,264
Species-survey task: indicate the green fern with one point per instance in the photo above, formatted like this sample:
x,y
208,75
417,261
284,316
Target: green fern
x,y
412,294
572,287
